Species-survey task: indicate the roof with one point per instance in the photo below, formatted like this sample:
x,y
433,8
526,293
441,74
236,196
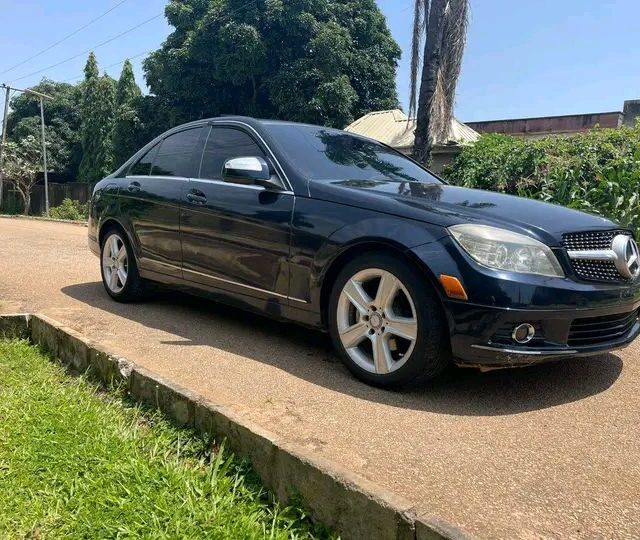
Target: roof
x,y
396,129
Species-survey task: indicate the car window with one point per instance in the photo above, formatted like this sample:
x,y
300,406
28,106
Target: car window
x,y
223,144
329,154
174,157
143,166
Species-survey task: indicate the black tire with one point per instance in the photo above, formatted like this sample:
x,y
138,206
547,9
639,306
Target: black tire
x,y
136,288
431,353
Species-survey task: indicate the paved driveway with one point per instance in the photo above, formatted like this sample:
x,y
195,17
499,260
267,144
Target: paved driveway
x,y
544,452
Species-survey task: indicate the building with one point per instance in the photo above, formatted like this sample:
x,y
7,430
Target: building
x,y
569,124
396,129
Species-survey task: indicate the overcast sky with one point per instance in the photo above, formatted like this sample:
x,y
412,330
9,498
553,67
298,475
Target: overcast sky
x,y
523,58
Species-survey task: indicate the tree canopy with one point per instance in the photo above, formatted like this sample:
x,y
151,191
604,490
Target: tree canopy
x,y
320,61
62,119
325,62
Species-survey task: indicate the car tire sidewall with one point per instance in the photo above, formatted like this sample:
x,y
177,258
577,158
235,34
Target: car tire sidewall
x,y
431,353
129,291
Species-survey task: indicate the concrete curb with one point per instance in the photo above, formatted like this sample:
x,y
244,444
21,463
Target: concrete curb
x,y
41,218
350,505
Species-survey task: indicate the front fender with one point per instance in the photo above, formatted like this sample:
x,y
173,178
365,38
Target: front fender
x,y
401,235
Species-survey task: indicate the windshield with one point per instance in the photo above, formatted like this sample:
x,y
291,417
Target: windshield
x,y
328,154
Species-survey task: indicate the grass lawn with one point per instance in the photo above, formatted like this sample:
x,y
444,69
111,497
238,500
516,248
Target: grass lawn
x,y
76,462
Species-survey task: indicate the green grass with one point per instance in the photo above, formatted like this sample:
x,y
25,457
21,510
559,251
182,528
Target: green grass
x,y
76,462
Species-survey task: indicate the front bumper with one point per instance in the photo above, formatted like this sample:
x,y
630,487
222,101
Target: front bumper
x,y
481,335
481,327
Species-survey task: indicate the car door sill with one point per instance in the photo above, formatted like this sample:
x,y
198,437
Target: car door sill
x,y
231,282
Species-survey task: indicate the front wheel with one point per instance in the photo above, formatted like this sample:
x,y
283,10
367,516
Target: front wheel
x,y
387,323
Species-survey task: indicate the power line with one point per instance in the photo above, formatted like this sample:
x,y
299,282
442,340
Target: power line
x,y
63,39
91,48
226,15
110,65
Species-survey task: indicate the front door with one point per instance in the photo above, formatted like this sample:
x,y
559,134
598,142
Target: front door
x,y
235,237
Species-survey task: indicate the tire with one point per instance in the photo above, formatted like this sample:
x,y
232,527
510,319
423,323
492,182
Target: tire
x,y
131,288
401,339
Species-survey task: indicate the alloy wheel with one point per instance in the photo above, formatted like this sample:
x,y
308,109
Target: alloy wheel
x,y
377,322
115,264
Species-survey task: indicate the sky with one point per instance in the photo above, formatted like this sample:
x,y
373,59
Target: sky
x,y
523,58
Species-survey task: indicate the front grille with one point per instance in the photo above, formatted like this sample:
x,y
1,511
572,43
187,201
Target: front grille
x,y
597,330
593,270
591,240
596,270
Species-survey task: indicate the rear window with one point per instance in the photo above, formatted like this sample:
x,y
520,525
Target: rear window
x,y
143,166
175,156
329,154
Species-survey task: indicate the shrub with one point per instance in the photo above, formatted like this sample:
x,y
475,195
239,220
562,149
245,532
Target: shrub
x,y
598,171
69,209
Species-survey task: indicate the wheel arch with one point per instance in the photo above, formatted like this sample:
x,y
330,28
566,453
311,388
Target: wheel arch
x,y
371,246
112,222
108,224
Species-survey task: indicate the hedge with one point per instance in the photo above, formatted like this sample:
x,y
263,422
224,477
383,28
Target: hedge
x,y
597,172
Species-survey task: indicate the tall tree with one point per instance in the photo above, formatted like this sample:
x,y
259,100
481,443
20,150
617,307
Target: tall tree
x,y
127,121
321,61
97,123
444,25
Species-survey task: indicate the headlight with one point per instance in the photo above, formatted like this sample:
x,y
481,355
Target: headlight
x,y
505,250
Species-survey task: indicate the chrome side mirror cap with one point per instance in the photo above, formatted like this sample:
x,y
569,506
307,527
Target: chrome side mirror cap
x,y
246,170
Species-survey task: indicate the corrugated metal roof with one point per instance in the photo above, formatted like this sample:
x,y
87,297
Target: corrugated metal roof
x,y
397,130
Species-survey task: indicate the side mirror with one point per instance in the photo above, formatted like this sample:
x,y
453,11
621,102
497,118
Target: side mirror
x,y
249,170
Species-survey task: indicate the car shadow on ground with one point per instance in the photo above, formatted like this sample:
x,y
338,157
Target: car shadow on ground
x,y
307,354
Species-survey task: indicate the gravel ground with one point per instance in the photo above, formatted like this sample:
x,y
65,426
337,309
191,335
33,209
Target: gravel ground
x,y
544,452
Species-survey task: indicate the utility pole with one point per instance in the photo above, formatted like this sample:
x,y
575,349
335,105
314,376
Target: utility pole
x,y
44,147
44,159
4,138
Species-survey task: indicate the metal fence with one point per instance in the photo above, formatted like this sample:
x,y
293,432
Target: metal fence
x,y
12,201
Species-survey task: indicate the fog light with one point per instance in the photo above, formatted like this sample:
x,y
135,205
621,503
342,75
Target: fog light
x,y
523,333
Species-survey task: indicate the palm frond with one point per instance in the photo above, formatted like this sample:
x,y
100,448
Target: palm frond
x,y
454,37
420,18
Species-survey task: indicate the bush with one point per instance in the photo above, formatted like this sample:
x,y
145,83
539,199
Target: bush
x,y
69,209
598,171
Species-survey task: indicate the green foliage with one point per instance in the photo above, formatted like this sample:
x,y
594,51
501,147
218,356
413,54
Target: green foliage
x,y
598,171
22,162
98,94
76,462
127,121
70,209
62,120
319,61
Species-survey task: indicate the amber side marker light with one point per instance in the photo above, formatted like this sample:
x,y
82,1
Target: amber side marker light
x,y
453,287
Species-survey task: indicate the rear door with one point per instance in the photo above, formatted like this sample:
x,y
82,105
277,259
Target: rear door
x,y
235,236
152,196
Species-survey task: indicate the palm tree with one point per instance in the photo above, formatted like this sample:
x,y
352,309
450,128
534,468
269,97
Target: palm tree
x,y
444,25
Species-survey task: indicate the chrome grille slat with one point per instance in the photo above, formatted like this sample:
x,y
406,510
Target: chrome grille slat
x,y
590,240
594,270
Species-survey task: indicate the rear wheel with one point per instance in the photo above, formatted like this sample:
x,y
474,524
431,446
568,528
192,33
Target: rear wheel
x,y
386,322
119,270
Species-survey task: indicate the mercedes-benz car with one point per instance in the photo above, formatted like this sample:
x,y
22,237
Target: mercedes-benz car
x,y
339,232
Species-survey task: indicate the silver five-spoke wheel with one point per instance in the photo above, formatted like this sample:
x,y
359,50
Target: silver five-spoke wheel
x,y
115,264
377,322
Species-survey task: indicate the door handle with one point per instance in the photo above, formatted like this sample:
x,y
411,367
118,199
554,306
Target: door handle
x,y
196,197
134,187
